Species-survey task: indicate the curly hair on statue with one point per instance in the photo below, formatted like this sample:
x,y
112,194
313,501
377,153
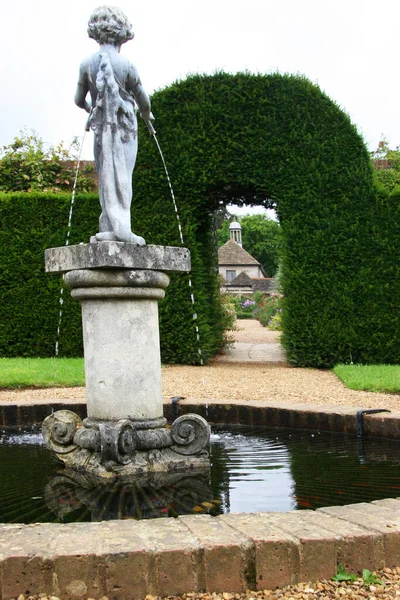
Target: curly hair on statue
x,y
109,25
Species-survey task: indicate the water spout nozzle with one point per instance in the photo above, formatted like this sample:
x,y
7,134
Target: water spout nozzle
x,y
151,128
148,120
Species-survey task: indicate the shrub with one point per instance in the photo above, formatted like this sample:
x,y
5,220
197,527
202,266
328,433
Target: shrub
x,y
228,320
28,165
269,312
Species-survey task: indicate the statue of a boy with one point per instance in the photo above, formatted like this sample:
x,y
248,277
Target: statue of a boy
x,y
115,88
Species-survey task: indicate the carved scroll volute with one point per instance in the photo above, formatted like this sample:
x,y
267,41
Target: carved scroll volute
x,y
190,433
59,429
118,442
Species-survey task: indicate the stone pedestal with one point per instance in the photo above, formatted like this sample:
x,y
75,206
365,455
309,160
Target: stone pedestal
x,y
121,341
119,286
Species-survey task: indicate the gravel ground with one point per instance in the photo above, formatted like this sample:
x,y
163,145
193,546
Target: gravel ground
x,y
250,331
319,590
244,382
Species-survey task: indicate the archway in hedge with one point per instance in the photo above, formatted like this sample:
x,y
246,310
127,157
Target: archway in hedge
x,y
277,141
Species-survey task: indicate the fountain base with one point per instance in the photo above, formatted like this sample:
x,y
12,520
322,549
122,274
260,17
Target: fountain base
x,y
126,448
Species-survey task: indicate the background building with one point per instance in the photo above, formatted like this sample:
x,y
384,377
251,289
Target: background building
x,y
240,272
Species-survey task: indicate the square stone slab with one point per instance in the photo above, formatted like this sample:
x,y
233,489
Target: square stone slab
x,y
120,255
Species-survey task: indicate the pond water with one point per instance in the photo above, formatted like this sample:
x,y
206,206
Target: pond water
x,y
251,470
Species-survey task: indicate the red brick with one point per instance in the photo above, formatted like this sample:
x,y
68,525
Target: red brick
x,y
227,554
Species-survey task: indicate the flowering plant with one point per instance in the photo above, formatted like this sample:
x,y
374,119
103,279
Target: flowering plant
x,y
269,313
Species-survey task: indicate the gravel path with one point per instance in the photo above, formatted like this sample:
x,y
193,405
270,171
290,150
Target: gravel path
x,y
270,381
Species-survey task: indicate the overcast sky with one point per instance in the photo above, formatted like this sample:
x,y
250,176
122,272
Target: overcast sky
x,y
350,48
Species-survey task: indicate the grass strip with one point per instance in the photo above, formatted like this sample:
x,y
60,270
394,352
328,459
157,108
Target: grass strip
x,y
371,378
41,372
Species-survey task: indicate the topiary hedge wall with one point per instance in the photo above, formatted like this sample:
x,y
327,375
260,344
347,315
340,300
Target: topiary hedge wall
x,y
277,140
29,298
266,139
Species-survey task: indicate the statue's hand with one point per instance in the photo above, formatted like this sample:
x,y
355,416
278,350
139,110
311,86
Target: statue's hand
x,y
148,118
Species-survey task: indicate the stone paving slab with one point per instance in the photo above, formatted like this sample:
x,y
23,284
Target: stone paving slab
x,y
244,352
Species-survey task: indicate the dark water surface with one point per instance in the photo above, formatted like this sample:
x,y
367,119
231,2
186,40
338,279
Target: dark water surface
x,y
251,470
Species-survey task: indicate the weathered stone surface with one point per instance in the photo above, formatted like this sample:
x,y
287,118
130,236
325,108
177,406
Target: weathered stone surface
x,y
382,425
277,553
25,559
228,557
171,556
318,546
358,548
122,359
77,567
391,503
82,278
107,449
375,517
128,561
176,553
120,255
109,89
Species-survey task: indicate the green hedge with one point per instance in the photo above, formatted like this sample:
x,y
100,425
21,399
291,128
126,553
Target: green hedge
x,y
29,304
29,307
274,140
277,140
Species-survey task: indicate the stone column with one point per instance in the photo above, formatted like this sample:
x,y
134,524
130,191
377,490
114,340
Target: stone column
x,y
121,341
119,286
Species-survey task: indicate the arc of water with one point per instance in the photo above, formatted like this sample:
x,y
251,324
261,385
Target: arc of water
x,y
182,242
71,208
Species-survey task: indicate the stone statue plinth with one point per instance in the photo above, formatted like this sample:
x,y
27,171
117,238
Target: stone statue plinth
x,y
119,285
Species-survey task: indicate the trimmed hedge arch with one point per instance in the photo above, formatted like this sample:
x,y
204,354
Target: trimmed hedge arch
x,y
274,140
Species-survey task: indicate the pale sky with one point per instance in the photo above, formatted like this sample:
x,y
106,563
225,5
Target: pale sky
x,y
349,48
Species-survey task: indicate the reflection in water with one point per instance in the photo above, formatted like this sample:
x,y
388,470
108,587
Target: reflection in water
x,y
148,497
245,463
251,470
331,469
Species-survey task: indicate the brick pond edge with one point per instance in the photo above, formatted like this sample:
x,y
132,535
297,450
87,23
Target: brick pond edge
x,y
130,559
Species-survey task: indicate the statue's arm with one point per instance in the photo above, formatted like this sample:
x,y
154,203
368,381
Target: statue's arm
x,y
141,97
82,89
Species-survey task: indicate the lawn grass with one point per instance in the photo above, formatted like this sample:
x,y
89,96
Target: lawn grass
x,y
41,372
372,378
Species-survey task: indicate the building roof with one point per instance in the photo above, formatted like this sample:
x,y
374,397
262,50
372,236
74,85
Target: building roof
x,y
242,279
263,285
235,225
233,254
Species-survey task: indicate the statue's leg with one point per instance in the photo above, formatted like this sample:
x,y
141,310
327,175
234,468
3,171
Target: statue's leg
x,y
105,227
130,159
124,161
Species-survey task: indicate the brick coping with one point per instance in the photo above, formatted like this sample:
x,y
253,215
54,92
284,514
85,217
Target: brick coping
x,y
233,552
226,412
130,559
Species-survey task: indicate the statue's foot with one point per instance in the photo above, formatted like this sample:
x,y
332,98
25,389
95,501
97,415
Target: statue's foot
x,y
136,239
106,236
109,236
